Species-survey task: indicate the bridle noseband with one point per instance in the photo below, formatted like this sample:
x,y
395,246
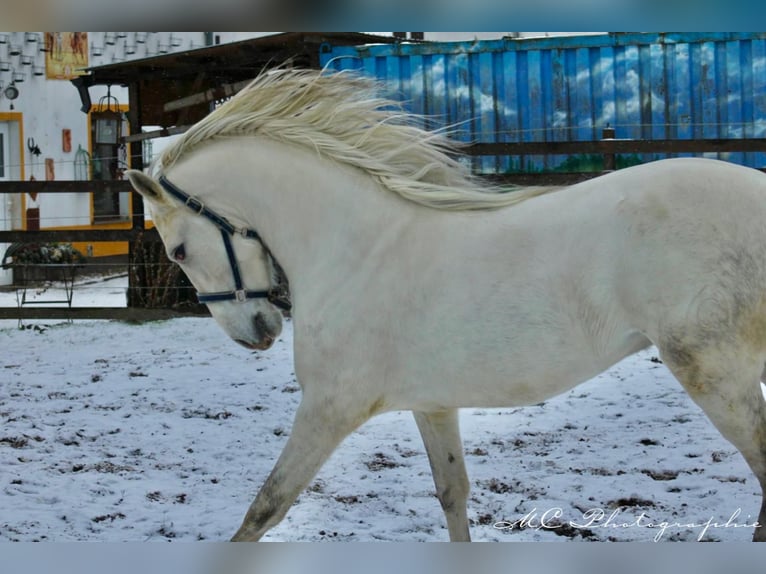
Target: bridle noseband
x,y
275,296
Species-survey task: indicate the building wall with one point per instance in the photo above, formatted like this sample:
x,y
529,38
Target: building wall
x,y
46,116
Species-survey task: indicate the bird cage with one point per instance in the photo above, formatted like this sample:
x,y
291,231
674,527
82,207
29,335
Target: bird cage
x,y
81,164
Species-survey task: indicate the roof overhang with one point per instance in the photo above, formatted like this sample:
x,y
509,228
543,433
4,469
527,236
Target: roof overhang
x,y
158,81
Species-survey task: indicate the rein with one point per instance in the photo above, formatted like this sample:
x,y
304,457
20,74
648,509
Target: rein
x,y
275,296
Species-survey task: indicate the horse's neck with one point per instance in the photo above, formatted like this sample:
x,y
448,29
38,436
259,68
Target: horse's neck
x,y
314,214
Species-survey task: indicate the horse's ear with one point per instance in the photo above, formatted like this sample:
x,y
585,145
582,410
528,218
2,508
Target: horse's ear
x,y
145,185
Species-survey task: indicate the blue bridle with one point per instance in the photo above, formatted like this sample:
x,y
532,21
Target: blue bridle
x,y
275,296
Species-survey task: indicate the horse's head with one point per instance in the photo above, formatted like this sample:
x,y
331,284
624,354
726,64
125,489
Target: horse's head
x,y
230,268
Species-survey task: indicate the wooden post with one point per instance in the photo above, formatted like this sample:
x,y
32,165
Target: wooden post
x,y
137,202
609,161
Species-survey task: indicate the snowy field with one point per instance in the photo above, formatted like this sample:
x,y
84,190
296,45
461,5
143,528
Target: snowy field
x,y
165,431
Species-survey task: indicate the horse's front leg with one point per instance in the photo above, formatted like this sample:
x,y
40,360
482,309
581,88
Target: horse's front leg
x,y
441,435
316,433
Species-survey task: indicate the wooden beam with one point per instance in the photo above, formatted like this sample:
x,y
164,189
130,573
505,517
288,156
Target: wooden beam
x,y
66,186
79,235
211,95
164,132
557,179
109,313
197,85
618,146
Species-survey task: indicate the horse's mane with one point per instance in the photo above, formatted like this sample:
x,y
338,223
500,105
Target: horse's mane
x,y
342,117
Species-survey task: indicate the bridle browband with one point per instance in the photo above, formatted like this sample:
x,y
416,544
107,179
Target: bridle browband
x,y
275,296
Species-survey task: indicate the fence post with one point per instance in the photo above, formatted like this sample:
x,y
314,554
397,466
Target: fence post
x,y
609,161
138,221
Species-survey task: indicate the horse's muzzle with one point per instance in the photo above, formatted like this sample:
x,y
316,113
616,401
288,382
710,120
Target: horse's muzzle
x,y
264,335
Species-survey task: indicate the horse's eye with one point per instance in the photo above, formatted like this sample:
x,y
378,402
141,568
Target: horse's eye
x,y
179,253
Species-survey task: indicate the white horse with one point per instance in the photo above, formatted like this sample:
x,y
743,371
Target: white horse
x,y
415,288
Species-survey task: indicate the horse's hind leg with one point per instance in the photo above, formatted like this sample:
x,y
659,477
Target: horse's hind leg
x,y
441,435
727,388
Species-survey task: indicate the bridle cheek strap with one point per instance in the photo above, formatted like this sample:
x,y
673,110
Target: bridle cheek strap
x,y
239,293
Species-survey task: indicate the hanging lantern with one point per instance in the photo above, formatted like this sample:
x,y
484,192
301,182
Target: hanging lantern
x,y
107,127
108,121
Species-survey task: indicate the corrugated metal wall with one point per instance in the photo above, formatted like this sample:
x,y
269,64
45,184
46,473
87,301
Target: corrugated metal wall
x,y
645,86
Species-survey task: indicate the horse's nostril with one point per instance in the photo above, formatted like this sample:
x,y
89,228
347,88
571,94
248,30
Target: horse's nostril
x,y
260,324
263,332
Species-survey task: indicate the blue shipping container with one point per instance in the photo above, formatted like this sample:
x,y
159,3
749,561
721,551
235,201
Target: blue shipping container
x,y
645,86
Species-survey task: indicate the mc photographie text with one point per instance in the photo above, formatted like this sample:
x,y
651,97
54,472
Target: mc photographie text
x,y
618,519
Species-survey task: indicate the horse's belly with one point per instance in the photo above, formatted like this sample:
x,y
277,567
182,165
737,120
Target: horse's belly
x,y
526,375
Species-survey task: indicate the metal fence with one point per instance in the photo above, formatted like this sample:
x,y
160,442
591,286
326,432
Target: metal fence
x,y
64,308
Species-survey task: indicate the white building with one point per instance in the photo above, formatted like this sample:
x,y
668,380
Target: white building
x,y
44,135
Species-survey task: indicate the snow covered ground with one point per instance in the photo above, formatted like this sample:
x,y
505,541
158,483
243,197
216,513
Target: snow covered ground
x,y
165,430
